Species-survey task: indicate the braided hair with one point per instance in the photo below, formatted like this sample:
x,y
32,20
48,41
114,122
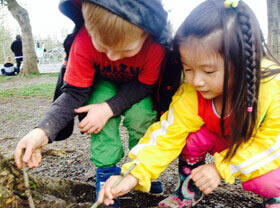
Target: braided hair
x,y
241,47
245,112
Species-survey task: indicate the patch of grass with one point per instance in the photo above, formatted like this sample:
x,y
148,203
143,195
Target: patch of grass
x,y
50,74
31,76
12,116
42,74
17,116
32,184
45,90
6,78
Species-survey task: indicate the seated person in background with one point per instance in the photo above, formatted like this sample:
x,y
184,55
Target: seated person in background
x,y
9,69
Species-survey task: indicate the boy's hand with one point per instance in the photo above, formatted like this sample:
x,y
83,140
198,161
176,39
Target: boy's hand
x,y
33,143
107,193
97,117
206,178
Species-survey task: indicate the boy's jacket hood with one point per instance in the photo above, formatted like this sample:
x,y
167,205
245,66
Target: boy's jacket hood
x,y
147,14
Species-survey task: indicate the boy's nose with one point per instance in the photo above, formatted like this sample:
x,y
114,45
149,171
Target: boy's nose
x,y
113,56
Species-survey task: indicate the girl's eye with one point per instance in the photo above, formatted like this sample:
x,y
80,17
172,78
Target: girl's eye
x,y
187,70
209,72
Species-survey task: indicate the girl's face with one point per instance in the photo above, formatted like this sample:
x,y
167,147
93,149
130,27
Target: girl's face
x,y
204,69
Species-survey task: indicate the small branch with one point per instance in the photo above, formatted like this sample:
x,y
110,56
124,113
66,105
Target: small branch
x,y
27,187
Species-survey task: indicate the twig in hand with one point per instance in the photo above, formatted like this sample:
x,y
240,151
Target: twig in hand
x,y
96,204
27,187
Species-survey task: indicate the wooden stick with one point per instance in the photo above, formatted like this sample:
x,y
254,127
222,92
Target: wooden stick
x,y
96,204
27,186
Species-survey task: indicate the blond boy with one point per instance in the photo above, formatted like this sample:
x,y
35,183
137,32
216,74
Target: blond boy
x,y
114,66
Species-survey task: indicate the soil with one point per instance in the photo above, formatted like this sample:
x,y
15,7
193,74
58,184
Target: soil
x,y
70,158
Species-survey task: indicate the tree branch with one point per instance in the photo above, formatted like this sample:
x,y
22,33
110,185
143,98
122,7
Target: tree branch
x,y
27,186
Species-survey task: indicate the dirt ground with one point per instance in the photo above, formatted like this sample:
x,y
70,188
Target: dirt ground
x,y
19,116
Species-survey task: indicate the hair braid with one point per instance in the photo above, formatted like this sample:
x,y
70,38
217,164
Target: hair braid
x,y
249,57
246,110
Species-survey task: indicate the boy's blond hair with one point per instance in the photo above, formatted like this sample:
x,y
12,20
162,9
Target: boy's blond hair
x,y
108,27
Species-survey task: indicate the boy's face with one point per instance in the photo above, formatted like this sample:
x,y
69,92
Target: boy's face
x,y
119,52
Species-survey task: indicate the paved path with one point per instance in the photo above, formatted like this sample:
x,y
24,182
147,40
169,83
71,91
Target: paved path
x,y
45,68
49,68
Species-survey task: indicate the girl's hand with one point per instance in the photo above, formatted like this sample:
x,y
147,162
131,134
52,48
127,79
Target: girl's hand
x,y
97,117
206,178
107,193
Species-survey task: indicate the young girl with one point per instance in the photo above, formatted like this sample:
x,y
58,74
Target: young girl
x,y
228,107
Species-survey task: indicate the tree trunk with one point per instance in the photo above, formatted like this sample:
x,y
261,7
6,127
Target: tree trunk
x,y
29,58
273,40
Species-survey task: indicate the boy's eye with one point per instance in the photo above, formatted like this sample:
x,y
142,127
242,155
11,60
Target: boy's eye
x,y
187,70
127,51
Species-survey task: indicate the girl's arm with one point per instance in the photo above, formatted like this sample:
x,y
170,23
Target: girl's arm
x,y
164,140
261,153
161,144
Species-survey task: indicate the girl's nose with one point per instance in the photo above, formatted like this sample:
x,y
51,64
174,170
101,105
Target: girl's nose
x,y
198,80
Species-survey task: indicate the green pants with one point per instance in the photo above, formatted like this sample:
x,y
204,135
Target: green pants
x,y
106,146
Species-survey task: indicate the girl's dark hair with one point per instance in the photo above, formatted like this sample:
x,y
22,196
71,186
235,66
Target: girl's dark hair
x,y
241,44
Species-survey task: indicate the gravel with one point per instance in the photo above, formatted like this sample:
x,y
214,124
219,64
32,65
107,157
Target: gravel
x,y
70,158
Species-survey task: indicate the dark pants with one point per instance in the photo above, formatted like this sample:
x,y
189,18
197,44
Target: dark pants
x,y
8,73
19,60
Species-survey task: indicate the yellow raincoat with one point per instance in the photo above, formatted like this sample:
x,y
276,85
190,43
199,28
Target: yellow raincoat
x,y
164,140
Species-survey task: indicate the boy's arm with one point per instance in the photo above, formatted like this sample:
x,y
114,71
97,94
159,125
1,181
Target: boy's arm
x,y
62,110
145,84
129,94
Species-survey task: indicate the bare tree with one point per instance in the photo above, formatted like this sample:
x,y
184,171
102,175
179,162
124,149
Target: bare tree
x,y
21,15
5,37
5,43
273,39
